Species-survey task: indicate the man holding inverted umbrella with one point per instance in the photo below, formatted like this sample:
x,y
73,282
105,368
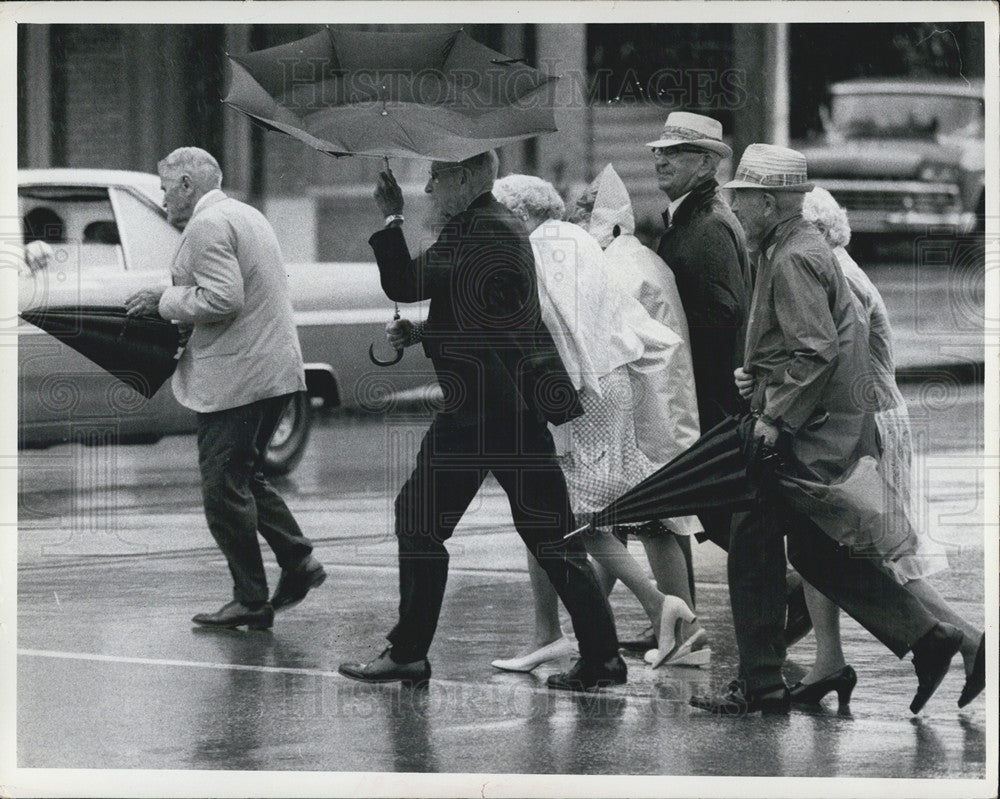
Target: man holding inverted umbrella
x,y
445,97
503,381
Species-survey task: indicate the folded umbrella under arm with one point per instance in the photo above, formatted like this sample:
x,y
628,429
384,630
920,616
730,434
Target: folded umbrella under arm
x,y
141,351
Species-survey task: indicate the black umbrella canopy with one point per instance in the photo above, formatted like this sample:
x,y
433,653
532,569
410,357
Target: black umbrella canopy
x,y
140,351
711,474
389,94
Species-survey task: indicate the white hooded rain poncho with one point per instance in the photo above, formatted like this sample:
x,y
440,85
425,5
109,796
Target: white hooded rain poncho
x,y
590,323
666,409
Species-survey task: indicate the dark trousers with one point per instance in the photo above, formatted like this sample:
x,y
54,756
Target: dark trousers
x,y
239,502
452,464
756,568
717,398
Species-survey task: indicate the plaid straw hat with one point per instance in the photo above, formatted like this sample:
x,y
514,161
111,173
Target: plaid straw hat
x,y
767,166
693,130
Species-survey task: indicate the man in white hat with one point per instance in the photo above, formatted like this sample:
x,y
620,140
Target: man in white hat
x,y
705,248
806,354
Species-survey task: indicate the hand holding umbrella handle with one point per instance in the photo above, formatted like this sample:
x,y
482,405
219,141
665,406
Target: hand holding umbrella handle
x,y
388,196
399,352
762,464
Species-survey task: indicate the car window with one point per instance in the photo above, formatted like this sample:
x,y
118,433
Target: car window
x,y
78,222
909,116
148,239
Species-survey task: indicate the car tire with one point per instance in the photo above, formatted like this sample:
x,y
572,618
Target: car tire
x,y
290,437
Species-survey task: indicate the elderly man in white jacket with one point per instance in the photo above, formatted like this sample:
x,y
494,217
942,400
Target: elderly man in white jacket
x,y
238,371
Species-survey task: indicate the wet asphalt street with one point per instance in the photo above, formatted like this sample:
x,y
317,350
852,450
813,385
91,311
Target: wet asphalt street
x,y
114,558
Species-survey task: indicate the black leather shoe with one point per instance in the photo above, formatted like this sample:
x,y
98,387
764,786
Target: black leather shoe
x,y
842,681
645,641
234,614
798,624
294,584
738,702
385,669
932,656
586,677
975,682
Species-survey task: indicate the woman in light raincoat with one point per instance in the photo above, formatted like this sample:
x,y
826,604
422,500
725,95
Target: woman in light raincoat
x,y
609,344
668,418
908,555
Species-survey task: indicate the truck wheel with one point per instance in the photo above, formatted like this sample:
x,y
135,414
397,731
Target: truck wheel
x,y
290,437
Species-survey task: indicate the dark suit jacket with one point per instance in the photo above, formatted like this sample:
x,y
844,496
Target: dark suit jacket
x,y
705,247
491,351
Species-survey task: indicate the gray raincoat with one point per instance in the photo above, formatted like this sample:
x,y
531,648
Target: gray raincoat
x,y
807,349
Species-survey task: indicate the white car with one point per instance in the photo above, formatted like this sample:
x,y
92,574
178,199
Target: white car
x,y
102,234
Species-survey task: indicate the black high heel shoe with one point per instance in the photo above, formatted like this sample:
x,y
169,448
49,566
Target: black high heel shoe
x,y
842,682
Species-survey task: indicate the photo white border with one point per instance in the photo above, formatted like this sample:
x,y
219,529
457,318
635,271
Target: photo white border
x,y
54,782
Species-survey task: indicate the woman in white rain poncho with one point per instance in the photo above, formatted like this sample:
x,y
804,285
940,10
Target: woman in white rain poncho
x,y
606,340
605,210
920,556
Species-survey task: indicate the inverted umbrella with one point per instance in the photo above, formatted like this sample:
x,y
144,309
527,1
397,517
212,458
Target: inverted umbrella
x,y
141,351
711,474
412,95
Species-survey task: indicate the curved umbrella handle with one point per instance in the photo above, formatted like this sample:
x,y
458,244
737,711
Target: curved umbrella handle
x,y
396,359
371,348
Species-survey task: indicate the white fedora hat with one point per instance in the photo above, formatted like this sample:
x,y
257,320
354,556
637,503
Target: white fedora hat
x,y
767,166
693,130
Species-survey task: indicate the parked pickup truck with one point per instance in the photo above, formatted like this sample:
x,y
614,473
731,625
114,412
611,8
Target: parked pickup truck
x,y
105,235
903,155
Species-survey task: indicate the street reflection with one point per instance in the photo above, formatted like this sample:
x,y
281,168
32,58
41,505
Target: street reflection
x,y
408,711
236,709
973,741
930,757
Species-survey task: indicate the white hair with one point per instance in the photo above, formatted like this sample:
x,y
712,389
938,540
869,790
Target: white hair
x,y
199,165
533,196
825,213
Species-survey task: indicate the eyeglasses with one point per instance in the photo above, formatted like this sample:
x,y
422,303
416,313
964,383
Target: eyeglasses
x,y
435,175
669,151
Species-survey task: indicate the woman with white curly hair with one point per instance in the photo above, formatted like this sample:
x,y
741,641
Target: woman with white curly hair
x,y
599,332
829,672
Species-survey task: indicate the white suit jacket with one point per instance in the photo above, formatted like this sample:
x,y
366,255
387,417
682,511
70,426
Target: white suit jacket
x,y
230,284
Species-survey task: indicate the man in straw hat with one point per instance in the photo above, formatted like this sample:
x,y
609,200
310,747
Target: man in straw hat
x,y
806,348
705,248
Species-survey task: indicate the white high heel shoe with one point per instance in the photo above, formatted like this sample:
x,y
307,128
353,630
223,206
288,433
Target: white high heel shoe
x,y
674,612
561,647
695,651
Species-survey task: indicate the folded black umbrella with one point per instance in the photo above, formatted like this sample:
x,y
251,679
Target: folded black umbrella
x,y
711,474
141,351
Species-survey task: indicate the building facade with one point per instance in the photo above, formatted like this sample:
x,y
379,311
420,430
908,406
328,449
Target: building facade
x,y
122,96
